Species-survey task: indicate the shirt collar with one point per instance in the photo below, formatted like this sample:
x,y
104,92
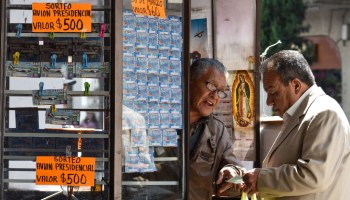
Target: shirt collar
x,y
295,106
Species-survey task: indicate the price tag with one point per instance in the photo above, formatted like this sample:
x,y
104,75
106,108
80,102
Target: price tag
x,y
61,17
149,7
61,170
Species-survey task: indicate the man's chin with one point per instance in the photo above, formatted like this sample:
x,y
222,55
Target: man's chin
x,y
206,114
276,112
279,114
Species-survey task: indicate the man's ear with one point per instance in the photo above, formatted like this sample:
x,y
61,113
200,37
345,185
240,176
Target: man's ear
x,y
297,86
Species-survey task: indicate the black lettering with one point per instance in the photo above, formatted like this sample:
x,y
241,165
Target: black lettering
x,y
90,168
155,2
44,166
52,26
41,13
35,25
42,25
141,11
58,6
153,11
56,13
48,5
51,179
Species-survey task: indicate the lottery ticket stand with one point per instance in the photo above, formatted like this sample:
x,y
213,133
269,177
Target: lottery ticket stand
x,y
94,96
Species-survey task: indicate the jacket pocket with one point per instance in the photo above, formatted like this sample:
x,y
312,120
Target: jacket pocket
x,y
208,157
203,164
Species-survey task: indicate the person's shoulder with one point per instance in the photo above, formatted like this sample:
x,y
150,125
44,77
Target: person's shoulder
x,y
327,102
327,106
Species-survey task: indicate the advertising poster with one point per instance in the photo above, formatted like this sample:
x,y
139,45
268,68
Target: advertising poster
x,y
199,38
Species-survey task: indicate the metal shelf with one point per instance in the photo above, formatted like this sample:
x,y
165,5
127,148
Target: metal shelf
x,y
33,181
70,93
77,35
58,135
155,183
33,158
29,7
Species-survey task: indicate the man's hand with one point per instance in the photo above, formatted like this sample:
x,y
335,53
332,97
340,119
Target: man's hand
x,y
250,179
225,174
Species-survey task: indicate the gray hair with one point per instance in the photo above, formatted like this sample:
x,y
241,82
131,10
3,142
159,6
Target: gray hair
x,y
200,66
289,64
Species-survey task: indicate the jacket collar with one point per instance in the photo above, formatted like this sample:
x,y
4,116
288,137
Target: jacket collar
x,y
207,135
295,119
209,120
200,121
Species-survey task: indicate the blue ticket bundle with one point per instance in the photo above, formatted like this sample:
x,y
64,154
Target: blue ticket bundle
x,y
152,87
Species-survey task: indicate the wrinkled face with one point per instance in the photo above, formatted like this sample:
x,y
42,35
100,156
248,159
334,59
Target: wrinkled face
x,y
279,96
202,100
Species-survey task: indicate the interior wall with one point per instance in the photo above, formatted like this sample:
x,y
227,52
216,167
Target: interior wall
x,y
235,30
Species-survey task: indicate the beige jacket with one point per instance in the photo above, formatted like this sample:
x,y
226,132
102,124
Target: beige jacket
x,y
311,157
214,150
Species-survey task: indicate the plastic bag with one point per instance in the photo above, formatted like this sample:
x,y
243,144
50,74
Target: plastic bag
x,y
245,196
237,180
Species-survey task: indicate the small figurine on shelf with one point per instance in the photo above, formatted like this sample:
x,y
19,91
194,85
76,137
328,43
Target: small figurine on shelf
x,y
53,61
19,30
15,57
85,60
102,30
87,88
41,87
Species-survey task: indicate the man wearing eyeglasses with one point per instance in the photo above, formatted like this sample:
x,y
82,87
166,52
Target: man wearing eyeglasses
x,y
211,150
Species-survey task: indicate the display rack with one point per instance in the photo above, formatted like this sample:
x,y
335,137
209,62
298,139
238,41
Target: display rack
x,y
55,61
52,80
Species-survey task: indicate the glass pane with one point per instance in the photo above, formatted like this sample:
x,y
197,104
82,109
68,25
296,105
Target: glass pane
x,y
152,104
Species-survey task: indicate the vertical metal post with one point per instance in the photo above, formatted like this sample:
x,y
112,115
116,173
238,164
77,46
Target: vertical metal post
x,y
257,86
116,101
186,64
2,88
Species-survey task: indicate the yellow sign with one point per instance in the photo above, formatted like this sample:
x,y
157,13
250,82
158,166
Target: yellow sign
x,y
149,7
61,170
61,17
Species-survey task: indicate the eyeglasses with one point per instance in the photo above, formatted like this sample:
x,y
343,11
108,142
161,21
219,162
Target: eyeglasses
x,y
212,88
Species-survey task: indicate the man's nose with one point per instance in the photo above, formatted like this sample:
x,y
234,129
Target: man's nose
x,y
269,101
214,94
